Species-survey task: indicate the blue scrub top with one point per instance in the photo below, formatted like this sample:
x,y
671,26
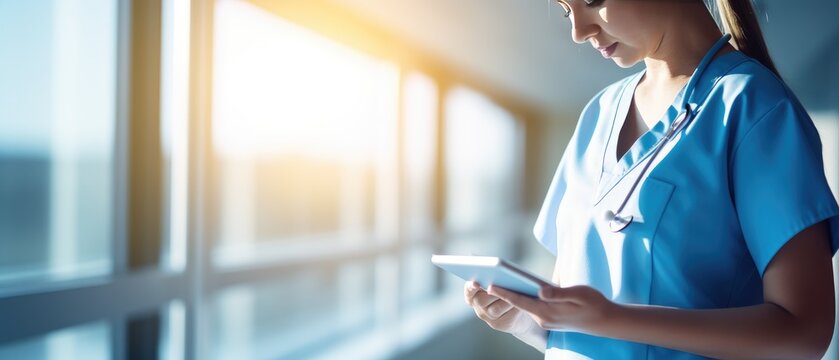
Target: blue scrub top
x,y
720,200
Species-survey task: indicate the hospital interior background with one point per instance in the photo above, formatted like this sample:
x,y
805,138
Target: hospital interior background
x,y
267,179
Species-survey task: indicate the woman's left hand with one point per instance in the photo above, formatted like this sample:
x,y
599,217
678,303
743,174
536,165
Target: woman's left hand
x,y
577,308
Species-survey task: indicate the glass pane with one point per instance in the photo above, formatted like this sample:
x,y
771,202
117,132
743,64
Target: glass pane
x,y
303,134
173,342
158,334
174,96
293,317
419,278
420,116
90,342
56,142
483,160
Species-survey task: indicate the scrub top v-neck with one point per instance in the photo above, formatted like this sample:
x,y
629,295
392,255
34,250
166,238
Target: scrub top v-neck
x,y
722,197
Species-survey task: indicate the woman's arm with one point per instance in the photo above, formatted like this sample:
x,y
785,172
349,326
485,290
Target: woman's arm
x,y
794,322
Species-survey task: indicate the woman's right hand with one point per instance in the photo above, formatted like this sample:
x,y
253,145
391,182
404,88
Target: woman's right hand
x,y
498,314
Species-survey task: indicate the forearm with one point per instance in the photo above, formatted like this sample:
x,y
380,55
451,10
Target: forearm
x,y
534,336
763,331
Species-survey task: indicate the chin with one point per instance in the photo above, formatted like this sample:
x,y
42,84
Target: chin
x,y
625,63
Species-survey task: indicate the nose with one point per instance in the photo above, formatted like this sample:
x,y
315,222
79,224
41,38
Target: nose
x,y
582,28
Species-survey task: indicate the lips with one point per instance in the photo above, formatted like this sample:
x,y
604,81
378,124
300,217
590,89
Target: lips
x,y
608,51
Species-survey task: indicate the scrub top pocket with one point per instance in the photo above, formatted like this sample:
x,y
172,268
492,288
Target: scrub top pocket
x,y
617,264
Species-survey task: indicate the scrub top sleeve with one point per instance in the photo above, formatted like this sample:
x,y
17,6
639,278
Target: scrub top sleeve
x,y
545,227
778,182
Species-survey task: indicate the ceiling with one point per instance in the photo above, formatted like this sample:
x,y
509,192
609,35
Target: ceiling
x,y
524,46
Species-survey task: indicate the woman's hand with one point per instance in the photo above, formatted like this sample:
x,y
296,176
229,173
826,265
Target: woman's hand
x,y
578,308
498,314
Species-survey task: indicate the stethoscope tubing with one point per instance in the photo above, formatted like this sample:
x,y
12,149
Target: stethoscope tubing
x,y
618,222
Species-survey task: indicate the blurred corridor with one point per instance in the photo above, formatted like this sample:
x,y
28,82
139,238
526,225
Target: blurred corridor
x,y
267,179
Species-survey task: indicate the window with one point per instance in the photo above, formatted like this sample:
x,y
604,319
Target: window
x,y
56,143
420,149
174,123
326,168
293,316
483,157
233,183
68,281
303,132
420,113
89,341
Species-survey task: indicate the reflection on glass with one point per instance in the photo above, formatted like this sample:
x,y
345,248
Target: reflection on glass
x,y
293,317
303,132
56,142
482,163
89,342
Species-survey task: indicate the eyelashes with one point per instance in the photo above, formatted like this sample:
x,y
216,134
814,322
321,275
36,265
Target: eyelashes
x,y
589,3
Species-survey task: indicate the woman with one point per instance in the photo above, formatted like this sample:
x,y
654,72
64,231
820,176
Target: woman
x,y
690,214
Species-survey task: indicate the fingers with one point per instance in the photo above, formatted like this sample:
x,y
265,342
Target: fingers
x,y
498,309
483,300
475,296
486,306
506,322
526,303
470,288
494,311
471,291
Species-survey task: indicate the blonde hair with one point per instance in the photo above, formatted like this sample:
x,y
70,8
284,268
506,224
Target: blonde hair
x,y
738,18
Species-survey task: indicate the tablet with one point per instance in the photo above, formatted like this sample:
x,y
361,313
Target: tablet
x,y
486,270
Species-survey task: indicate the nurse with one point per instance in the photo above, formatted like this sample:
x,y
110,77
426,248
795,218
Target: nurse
x,y
690,216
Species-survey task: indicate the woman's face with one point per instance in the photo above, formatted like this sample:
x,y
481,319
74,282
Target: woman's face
x,y
627,31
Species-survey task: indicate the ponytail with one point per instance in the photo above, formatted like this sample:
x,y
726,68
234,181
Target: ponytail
x,y
738,18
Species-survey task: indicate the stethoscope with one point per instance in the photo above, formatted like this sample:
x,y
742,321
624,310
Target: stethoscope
x,y
618,222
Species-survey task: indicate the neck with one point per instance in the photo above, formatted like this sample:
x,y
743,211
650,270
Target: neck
x,y
683,43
